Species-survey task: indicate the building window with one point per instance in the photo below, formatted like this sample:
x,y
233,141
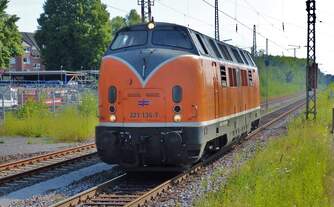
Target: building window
x,y
223,76
12,61
27,49
37,66
35,53
232,73
244,78
26,60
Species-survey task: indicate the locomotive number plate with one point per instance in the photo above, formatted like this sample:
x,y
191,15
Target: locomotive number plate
x,y
144,115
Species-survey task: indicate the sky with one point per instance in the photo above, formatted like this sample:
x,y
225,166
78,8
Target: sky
x,y
267,15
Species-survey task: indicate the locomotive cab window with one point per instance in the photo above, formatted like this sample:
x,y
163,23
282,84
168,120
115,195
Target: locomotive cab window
x,y
172,37
223,76
128,39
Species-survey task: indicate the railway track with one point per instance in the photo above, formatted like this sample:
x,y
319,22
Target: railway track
x,y
138,190
22,169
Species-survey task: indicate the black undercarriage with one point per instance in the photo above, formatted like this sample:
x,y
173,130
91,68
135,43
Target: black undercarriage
x,y
149,147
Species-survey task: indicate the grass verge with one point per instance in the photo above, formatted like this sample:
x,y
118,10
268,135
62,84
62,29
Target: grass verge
x,y
71,124
296,169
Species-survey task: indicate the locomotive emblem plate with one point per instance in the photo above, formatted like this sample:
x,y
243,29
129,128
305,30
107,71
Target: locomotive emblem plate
x,y
144,102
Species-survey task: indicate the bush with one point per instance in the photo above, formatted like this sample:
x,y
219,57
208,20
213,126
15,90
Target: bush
x,y
72,123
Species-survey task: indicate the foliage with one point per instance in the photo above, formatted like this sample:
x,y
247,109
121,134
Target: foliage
x,y
73,123
10,38
286,75
119,22
296,169
73,33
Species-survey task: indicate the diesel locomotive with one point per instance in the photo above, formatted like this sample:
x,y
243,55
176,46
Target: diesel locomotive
x,y
169,96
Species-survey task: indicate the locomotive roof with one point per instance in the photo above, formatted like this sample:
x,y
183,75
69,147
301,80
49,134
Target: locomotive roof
x,y
236,55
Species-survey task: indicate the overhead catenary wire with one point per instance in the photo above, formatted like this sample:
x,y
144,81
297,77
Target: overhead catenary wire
x,y
184,14
118,9
245,25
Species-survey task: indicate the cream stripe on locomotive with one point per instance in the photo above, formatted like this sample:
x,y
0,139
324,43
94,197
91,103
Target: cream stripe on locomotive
x,y
179,124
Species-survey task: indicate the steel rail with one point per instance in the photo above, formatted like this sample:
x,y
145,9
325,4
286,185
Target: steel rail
x,y
146,196
30,166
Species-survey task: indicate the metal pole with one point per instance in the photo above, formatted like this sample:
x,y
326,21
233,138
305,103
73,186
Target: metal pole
x,y
142,10
332,121
3,107
267,75
312,67
254,48
53,102
217,36
149,10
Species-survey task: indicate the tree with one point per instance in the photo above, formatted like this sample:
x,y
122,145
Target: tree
x,y
119,22
73,34
133,18
10,37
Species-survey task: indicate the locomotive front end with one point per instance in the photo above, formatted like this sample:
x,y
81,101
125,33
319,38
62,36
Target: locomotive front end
x,y
146,102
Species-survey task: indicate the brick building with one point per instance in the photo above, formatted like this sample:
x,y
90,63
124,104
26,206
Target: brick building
x,y
31,59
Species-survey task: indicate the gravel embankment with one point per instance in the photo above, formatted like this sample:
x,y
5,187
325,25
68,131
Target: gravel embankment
x,y
212,177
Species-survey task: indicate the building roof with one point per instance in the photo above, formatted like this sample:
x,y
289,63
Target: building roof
x,y
29,38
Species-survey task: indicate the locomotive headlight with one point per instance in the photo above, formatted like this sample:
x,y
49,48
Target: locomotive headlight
x,y
177,118
112,118
151,25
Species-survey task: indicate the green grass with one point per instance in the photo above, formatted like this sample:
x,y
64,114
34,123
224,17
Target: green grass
x,y
296,169
71,124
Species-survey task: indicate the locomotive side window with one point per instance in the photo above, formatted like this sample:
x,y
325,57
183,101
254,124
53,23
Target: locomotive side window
x,y
250,59
173,38
244,78
237,56
203,48
250,78
215,48
232,73
223,76
244,57
177,94
225,52
129,39
112,94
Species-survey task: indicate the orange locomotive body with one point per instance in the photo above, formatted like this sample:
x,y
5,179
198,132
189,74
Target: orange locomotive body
x,y
169,95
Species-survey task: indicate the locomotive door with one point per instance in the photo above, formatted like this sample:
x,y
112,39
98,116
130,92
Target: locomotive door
x,y
216,92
